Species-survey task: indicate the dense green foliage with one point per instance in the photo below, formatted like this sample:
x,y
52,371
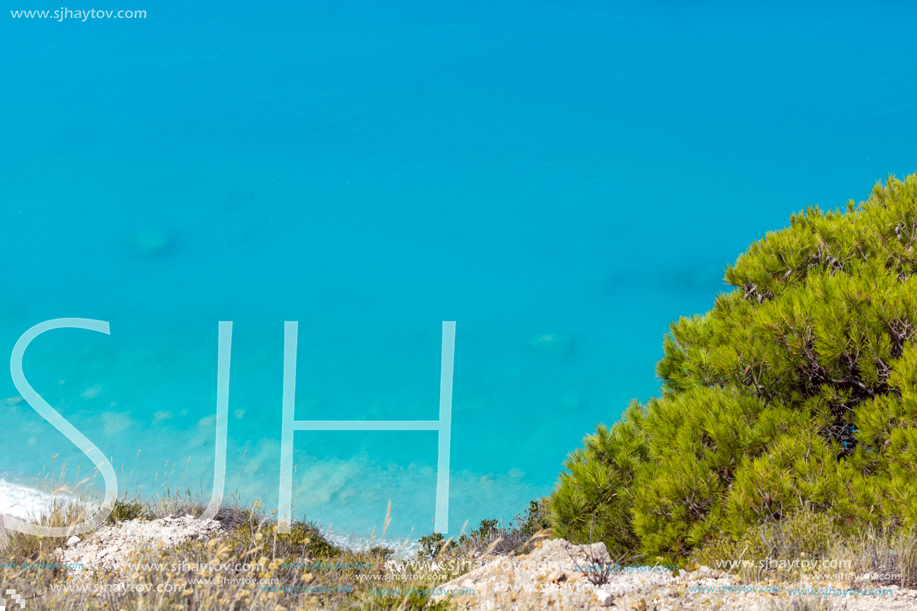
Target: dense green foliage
x,y
796,392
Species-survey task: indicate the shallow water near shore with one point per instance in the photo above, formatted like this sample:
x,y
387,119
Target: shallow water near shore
x,y
562,182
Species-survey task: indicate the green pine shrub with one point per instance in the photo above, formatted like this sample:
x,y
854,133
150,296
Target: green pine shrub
x,y
796,393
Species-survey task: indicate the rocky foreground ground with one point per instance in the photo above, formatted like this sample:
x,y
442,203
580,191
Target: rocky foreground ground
x,y
557,575
111,546
552,577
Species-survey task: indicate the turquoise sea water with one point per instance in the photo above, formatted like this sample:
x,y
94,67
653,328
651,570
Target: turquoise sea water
x,y
583,171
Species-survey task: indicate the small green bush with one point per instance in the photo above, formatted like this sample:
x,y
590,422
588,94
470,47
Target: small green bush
x,y
796,393
434,544
303,540
126,510
492,537
535,519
